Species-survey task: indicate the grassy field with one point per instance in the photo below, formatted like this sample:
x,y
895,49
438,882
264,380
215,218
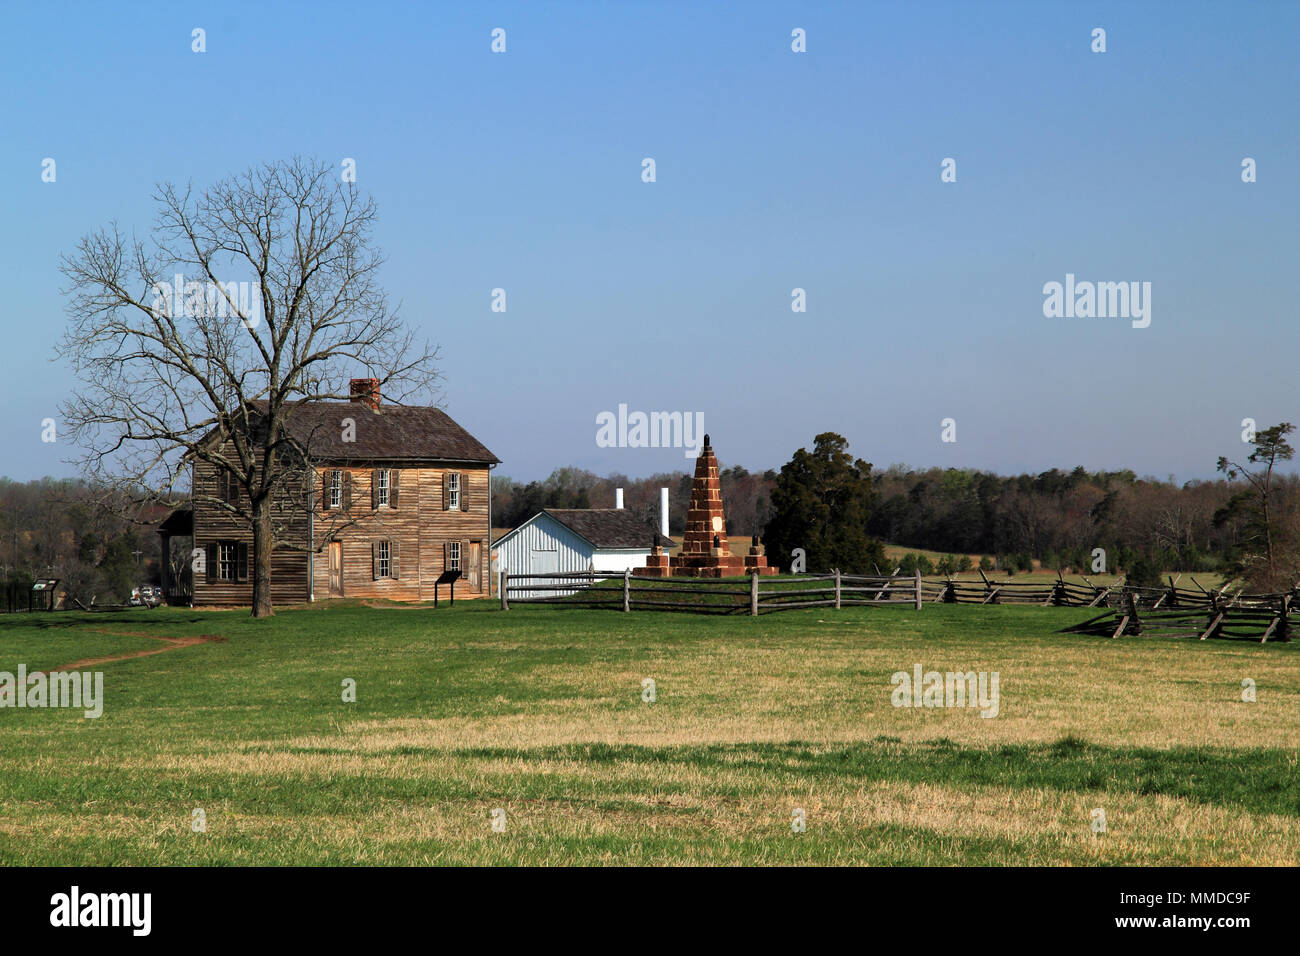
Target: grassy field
x,y
539,712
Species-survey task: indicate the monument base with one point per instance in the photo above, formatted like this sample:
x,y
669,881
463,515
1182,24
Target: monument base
x,y
705,552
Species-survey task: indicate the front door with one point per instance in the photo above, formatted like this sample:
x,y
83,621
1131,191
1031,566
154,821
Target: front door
x,y
475,564
336,568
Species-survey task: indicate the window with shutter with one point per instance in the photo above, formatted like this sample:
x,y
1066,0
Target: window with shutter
x,y
374,489
242,562
446,490
210,562
394,552
347,491
374,560
227,560
464,494
394,483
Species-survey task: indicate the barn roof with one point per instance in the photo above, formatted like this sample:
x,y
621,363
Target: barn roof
x,y
395,432
615,528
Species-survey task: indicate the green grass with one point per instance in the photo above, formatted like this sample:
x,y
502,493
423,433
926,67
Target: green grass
x,y
51,640
538,711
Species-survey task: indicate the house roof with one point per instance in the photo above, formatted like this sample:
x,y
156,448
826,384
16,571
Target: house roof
x,y
180,523
395,432
615,528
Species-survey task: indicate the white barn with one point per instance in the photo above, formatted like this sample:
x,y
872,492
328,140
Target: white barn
x,y
578,539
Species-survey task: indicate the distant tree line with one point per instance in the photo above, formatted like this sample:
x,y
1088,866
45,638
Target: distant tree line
x,y
837,509
1059,518
80,533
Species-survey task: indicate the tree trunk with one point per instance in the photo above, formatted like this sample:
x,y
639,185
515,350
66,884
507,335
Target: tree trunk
x,y
262,558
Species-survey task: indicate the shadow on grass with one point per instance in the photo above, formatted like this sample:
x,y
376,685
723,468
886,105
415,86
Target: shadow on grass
x,y
1257,780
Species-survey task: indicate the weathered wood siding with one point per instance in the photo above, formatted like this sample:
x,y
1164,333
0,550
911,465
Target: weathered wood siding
x,y
418,525
289,579
416,522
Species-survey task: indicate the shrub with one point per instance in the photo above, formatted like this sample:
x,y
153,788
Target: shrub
x,y
911,563
1143,573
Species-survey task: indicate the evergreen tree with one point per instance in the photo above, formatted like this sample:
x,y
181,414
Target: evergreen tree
x,y
821,503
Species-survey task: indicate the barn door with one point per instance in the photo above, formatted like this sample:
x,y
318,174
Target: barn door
x,y
336,567
544,561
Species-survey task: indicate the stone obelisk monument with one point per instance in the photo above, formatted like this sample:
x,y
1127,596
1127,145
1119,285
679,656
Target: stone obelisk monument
x,y
704,552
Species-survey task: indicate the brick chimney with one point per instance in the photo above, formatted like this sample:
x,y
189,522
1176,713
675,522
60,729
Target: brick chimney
x,y
366,391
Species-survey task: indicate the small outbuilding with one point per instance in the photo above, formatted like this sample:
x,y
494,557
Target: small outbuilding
x,y
578,539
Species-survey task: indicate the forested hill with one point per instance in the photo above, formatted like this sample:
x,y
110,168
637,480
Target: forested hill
x,y
1057,517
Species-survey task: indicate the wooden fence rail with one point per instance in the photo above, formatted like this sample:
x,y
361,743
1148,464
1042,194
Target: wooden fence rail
x,y
708,595
1171,611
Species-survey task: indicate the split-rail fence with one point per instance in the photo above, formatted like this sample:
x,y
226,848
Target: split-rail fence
x,y
1125,610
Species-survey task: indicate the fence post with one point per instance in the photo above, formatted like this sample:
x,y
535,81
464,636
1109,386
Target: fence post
x,y
502,577
753,595
918,589
837,589
627,590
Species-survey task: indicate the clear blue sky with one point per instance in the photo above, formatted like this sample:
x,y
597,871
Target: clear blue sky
x,y
775,170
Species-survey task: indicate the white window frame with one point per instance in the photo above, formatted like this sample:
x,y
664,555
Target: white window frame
x,y
385,569
227,559
453,491
453,556
336,488
383,487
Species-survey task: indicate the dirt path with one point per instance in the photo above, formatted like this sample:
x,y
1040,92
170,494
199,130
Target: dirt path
x,y
173,643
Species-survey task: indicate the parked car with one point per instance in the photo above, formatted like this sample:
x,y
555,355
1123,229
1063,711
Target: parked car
x,y
146,596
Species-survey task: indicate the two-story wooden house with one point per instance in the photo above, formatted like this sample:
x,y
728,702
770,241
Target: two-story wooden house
x,y
389,497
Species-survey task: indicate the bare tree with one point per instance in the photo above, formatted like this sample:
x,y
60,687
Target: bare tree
x,y
196,344
1264,552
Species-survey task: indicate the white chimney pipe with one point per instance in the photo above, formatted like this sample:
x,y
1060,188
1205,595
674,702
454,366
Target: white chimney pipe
x,y
618,498
663,511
